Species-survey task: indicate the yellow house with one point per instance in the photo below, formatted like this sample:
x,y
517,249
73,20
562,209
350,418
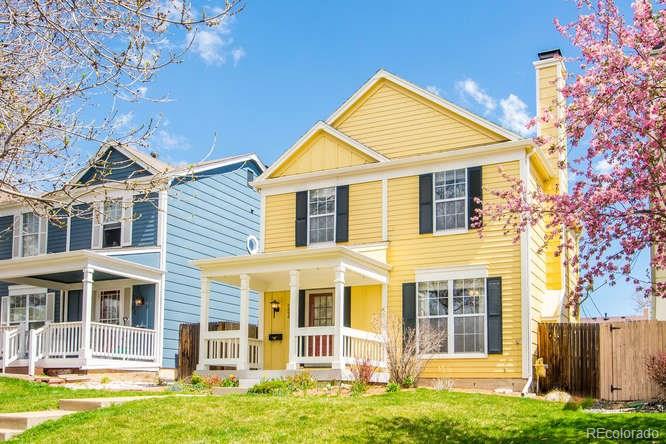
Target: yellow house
x,y
366,218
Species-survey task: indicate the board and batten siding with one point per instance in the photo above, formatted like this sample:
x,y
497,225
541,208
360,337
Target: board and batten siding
x,y
409,251
207,216
397,123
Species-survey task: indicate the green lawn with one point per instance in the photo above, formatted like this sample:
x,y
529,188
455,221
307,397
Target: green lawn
x,y
422,416
17,395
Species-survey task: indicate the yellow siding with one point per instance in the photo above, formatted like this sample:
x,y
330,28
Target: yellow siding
x,y
366,307
537,265
547,100
398,123
276,353
280,216
322,152
409,251
365,212
365,217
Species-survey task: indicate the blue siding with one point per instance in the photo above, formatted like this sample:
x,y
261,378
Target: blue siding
x,y
57,236
6,230
144,315
148,259
80,233
113,165
74,305
208,216
144,224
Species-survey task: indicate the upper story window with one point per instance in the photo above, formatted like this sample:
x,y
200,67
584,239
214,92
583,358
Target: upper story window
x,y
29,234
111,223
457,307
321,215
450,200
249,176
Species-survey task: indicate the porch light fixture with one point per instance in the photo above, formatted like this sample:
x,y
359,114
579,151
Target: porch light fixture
x,y
275,305
138,301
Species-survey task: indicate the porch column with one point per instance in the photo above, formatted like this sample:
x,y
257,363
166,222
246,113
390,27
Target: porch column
x,y
338,352
203,323
86,313
244,321
293,319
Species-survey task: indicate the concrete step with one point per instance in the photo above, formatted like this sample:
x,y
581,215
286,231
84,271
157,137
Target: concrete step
x,y
86,404
248,382
7,434
220,391
25,420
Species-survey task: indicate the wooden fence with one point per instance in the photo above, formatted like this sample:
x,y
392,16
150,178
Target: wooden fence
x,y
605,360
188,343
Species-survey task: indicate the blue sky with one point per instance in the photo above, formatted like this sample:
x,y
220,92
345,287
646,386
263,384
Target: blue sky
x,y
260,83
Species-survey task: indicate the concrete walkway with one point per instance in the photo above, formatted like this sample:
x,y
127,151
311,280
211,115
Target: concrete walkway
x,y
12,424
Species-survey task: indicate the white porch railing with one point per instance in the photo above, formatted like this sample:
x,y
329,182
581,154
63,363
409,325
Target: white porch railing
x,y
37,347
222,348
122,342
10,344
63,340
315,346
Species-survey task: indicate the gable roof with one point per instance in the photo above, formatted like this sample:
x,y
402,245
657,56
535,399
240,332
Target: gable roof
x,y
325,127
147,162
382,74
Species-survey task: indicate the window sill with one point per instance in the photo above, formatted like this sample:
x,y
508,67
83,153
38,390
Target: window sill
x,y
321,245
450,232
456,355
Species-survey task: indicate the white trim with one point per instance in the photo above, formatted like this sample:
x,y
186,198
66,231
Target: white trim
x,y
262,221
402,167
465,199
450,273
458,355
69,232
22,290
384,210
526,314
111,252
219,163
320,126
335,218
383,74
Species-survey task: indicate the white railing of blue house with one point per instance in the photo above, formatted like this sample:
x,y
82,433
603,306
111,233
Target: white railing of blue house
x,y
10,343
121,342
222,348
64,340
37,347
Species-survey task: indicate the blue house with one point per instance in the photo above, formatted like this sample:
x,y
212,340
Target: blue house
x,y
107,287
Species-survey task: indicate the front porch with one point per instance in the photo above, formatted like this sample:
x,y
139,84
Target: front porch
x,y
80,310
306,318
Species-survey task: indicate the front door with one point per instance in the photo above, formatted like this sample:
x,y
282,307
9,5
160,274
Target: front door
x,y
320,314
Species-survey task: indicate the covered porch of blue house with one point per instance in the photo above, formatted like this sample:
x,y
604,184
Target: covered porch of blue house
x,y
81,310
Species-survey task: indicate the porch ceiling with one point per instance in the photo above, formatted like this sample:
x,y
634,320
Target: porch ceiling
x,y
270,271
62,269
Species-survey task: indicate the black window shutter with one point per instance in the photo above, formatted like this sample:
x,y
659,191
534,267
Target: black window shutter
x,y
494,294
342,213
301,308
408,307
347,308
474,185
301,218
425,203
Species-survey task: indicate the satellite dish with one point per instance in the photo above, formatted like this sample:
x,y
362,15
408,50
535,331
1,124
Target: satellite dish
x,y
252,244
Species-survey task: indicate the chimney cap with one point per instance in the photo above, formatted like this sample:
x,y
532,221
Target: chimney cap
x,y
551,54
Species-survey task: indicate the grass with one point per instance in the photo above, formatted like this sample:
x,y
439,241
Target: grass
x,y
407,416
17,395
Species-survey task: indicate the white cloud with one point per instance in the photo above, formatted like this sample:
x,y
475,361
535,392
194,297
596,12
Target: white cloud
x,y
237,54
514,114
433,89
141,91
603,166
168,141
123,120
469,87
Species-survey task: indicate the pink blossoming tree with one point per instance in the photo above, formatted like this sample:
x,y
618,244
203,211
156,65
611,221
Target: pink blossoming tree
x,y
615,121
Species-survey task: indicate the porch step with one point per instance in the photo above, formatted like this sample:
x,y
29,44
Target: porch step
x,y
247,383
86,404
7,434
24,420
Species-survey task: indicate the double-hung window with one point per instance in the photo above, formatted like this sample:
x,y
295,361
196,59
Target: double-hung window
x,y
321,215
450,200
456,307
111,223
27,308
110,307
29,234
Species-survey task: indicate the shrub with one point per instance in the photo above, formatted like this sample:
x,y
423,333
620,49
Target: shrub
x,y
230,381
363,370
358,388
302,381
408,381
276,387
392,387
587,403
656,368
571,405
212,381
196,379
105,380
